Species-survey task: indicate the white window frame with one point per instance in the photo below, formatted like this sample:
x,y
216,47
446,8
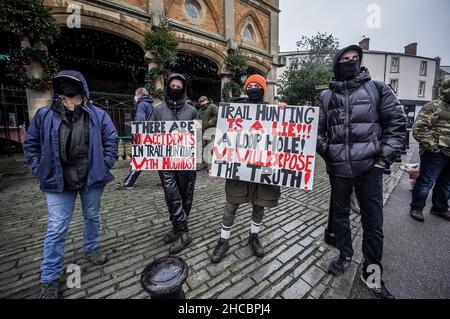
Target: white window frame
x,y
397,67
396,86
422,84
423,70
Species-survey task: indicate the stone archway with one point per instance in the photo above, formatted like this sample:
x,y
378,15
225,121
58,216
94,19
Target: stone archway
x,y
202,75
124,26
110,63
114,67
210,52
258,67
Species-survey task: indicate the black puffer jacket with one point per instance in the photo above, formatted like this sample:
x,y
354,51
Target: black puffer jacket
x,y
354,134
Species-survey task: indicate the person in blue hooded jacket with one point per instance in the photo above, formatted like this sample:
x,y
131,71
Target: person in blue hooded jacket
x,y
144,109
70,147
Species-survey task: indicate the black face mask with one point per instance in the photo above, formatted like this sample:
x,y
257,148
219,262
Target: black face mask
x,y
255,95
70,88
175,94
347,70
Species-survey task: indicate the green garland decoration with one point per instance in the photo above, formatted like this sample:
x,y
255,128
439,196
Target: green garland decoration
x,y
150,80
162,43
230,88
18,73
28,18
236,64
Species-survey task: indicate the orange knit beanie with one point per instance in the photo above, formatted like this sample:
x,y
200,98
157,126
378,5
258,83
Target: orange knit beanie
x,y
256,78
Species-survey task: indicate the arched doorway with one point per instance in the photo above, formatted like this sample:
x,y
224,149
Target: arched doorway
x,y
114,68
109,63
202,74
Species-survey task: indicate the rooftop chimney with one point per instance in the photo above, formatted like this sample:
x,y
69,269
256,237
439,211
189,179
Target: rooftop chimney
x,y
364,43
411,49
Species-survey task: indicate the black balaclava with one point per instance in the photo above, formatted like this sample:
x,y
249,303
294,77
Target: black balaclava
x,y
347,70
70,88
175,94
255,95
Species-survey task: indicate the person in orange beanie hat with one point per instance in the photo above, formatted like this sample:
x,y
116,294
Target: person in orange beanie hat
x,y
241,192
255,87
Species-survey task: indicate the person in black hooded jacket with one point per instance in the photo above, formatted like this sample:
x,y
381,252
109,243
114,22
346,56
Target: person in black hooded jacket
x,y
362,128
178,185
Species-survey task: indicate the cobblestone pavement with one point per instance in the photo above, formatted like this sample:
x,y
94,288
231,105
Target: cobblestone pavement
x,y
134,222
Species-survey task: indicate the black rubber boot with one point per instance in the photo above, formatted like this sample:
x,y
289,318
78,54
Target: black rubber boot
x,y
170,237
183,240
255,244
221,249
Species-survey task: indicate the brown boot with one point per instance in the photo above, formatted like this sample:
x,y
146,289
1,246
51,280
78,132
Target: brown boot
x,y
417,215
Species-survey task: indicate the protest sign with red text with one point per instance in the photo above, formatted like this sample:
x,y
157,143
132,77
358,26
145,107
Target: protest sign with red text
x,y
266,144
164,145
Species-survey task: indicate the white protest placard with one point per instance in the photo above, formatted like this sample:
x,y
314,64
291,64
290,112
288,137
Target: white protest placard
x,y
165,145
266,144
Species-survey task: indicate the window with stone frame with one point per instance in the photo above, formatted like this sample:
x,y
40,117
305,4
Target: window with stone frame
x,y
193,9
249,33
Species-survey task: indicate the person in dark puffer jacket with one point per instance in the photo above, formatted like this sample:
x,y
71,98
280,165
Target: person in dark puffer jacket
x,y
360,132
70,146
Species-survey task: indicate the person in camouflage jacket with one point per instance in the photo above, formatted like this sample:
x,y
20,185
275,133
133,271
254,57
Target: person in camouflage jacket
x,y
208,113
432,131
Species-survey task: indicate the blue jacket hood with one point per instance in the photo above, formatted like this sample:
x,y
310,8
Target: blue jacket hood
x,y
75,75
147,99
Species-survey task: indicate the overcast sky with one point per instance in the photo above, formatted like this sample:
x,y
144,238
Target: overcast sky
x,y
402,22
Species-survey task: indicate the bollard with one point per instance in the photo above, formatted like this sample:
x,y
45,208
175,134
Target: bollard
x,y
164,278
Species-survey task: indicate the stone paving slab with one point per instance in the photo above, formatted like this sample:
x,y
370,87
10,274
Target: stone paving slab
x,y
134,222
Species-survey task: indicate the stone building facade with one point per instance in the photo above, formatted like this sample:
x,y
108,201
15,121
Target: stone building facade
x,y
205,28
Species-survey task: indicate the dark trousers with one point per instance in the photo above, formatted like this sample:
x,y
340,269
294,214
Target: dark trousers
x,y
369,192
434,170
131,178
179,193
